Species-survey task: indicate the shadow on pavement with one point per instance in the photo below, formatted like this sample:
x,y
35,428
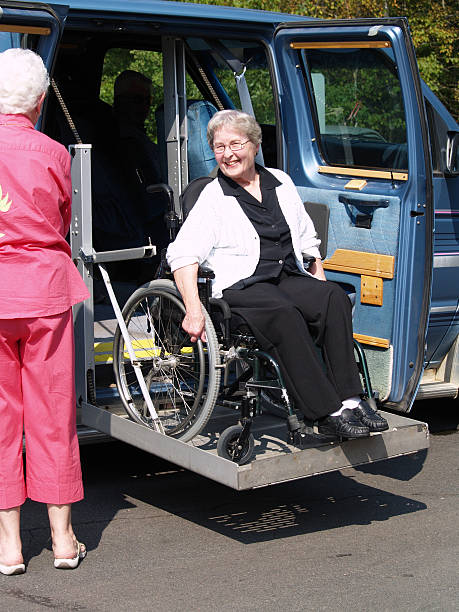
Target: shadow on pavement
x,y
442,418
442,415
116,473
399,468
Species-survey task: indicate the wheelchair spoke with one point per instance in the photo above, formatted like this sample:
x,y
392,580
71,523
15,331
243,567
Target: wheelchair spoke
x,y
173,367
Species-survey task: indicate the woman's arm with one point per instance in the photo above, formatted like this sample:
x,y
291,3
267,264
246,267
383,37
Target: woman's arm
x,y
186,279
317,269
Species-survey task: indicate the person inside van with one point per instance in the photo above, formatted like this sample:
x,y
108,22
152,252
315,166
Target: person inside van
x,y
39,285
131,106
124,214
250,227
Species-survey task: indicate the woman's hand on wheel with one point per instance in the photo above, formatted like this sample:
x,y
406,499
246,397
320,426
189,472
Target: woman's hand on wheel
x,y
194,324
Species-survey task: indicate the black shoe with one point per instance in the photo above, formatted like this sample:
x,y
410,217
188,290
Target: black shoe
x,y
370,418
346,425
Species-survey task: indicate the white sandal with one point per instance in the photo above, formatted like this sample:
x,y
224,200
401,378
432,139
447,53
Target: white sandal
x,y
12,570
74,561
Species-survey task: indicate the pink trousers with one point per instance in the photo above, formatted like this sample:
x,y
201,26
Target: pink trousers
x,y
37,395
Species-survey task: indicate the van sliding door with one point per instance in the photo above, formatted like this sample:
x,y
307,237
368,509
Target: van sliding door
x,y
355,139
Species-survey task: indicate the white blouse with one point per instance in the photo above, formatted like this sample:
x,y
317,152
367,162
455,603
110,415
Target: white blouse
x,y
217,234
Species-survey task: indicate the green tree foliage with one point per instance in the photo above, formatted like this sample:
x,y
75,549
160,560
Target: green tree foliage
x,y
433,23
434,27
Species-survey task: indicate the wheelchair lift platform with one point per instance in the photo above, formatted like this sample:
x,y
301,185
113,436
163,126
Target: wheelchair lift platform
x,y
274,461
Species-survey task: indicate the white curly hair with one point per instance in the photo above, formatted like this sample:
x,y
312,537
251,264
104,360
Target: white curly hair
x,y
23,80
236,119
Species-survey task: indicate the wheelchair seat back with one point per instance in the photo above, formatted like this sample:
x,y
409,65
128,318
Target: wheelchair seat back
x,y
191,194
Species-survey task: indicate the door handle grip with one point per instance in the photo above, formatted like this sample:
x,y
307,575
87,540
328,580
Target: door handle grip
x,y
363,203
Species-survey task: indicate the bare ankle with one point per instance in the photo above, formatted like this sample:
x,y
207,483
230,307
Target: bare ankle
x,y
11,551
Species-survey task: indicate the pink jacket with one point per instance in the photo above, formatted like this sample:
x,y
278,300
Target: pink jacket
x,y
37,275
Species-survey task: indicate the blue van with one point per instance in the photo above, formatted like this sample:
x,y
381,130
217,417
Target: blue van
x,y
372,150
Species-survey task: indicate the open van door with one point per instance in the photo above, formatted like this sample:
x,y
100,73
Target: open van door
x,y
32,26
355,133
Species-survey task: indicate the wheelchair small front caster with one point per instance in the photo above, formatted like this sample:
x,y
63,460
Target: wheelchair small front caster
x,y
230,447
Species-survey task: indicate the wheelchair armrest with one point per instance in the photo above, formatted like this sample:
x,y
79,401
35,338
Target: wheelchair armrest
x,y
205,273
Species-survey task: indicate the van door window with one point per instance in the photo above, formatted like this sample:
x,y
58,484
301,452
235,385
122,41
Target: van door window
x,y
31,27
359,108
24,37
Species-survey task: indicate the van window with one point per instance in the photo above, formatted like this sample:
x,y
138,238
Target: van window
x,y
209,58
359,108
438,132
21,40
258,81
146,62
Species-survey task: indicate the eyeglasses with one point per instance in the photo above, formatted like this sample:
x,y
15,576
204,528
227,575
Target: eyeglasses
x,y
233,146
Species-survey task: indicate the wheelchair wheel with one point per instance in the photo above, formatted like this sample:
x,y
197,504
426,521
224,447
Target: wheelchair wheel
x,y
228,447
180,375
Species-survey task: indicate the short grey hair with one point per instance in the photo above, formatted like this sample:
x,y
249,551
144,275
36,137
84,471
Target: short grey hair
x,y
23,80
237,120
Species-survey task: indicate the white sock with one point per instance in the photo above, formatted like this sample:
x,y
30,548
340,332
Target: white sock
x,y
348,404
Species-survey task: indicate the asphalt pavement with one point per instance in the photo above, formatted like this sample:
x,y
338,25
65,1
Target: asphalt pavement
x,y
379,537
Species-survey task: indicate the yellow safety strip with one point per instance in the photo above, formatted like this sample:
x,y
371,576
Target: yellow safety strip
x,y
143,349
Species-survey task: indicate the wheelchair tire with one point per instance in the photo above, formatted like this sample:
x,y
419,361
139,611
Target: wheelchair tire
x,y
181,376
227,446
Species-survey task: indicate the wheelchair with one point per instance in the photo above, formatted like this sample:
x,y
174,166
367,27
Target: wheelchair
x,y
186,380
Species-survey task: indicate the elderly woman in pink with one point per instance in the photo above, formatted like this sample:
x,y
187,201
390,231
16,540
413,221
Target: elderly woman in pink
x,y
38,286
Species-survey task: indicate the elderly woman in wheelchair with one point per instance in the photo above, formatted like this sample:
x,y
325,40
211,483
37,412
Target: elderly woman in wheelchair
x,y
248,239
250,227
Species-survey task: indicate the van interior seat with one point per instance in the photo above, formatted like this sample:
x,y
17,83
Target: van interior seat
x,y
201,160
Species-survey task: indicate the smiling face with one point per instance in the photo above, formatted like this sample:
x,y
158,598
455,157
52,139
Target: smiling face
x,y
237,165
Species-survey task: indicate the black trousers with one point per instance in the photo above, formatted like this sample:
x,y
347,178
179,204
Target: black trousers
x,y
289,317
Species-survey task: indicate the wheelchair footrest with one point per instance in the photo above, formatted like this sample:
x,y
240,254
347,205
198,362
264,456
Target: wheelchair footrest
x,y
300,438
300,433
293,423
263,384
